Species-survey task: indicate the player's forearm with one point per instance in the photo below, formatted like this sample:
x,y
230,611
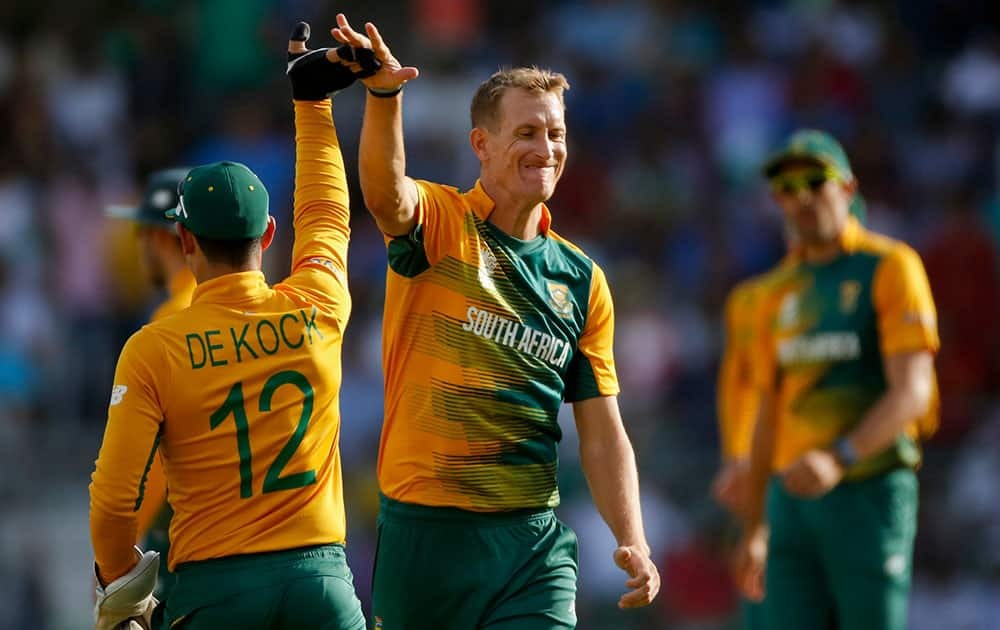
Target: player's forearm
x,y
609,466
320,179
389,195
761,457
113,538
887,419
154,498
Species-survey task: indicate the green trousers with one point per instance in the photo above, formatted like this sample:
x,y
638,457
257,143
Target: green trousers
x,y
310,587
451,569
842,561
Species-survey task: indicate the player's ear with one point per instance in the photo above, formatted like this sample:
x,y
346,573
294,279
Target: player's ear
x,y
479,138
188,242
268,236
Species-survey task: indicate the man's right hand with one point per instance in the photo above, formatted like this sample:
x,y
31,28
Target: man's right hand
x,y
391,75
750,563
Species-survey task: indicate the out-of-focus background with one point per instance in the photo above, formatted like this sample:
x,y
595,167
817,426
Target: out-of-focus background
x,y
674,104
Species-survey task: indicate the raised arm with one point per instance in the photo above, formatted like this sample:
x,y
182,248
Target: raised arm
x,y
389,194
322,209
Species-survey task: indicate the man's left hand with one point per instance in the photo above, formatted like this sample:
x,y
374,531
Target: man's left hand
x,y
644,578
813,475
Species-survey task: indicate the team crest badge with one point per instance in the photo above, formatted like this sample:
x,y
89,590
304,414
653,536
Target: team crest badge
x,y
559,299
487,265
378,623
849,292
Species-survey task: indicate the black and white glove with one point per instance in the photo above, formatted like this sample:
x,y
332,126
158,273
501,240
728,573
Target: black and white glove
x,y
315,76
127,603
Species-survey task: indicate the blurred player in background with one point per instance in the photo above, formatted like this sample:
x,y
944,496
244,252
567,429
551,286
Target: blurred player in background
x,y
492,320
844,365
166,268
240,392
737,407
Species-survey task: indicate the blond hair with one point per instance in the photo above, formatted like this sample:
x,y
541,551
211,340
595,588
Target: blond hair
x,y
486,103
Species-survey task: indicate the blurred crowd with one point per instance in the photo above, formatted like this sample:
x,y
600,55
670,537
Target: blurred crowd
x,y
672,108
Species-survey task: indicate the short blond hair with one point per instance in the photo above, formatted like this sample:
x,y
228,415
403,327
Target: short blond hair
x,y
486,103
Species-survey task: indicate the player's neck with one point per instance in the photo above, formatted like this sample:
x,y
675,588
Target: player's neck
x,y
516,217
821,253
205,270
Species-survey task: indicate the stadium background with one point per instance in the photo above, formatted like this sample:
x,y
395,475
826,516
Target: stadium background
x,y
673,106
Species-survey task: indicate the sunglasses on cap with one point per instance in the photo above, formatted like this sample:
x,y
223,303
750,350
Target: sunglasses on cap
x,y
811,180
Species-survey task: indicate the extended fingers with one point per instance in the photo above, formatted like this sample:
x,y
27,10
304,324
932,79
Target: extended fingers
x,y
347,35
378,44
645,587
638,580
752,584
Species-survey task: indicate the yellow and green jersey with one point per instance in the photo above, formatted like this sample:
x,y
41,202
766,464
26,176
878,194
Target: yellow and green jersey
x,y
737,397
180,288
824,331
240,392
485,335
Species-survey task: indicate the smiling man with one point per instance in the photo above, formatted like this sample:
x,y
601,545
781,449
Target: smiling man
x,y
492,320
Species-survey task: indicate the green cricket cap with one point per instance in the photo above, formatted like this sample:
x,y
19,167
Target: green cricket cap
x,y
821,147
810,144
160,195
222,201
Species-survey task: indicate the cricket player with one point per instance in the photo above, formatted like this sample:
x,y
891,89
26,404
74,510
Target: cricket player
x,y
166,268
492,320
240,394
844,366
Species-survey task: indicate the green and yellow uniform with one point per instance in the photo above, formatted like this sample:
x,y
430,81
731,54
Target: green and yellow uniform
x,y
825,330
154,513
485,336
240,394
737,396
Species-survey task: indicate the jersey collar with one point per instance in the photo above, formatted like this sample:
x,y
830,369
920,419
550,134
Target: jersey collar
x,y
482,206
181,282
849,240
232,289
850,236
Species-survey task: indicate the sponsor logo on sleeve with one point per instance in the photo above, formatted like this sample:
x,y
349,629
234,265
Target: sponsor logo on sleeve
x,y
117,393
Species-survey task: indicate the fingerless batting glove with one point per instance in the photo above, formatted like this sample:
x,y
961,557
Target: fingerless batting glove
x,y
314,77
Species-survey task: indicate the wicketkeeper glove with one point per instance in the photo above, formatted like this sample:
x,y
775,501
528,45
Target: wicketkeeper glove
x,y
128,602
314,77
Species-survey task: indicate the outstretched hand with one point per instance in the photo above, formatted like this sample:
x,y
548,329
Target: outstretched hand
x,y
391,75
318,74
644,579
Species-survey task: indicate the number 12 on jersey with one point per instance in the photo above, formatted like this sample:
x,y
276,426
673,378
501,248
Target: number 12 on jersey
x,y
235,405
